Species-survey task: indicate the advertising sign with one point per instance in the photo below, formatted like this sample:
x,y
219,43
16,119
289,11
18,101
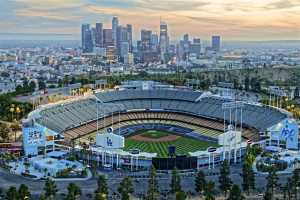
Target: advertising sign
x,y
230,138
287,131
110,141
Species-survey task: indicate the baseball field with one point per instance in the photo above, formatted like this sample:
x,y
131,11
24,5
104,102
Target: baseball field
x,y
154,141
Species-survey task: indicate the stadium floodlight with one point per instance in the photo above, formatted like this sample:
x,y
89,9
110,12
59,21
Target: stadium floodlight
x,y
229,107
232,105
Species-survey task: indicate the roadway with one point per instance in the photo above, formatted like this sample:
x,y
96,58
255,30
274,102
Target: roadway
x,y
139,179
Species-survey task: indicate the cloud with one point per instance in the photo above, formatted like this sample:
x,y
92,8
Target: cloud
x,y
171,5
230,18
283,4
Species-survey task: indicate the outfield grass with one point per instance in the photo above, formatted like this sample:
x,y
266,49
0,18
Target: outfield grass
x,y
183,146
155,134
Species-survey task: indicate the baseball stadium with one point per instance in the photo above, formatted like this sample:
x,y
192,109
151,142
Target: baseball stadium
x,y
148,124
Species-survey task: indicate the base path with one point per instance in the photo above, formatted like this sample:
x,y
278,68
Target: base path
x,y
167,138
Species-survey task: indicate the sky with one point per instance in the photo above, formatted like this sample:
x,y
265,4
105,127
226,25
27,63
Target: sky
x,y
232,19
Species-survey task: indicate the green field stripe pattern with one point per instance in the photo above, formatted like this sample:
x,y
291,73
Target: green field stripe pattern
x,y
183,146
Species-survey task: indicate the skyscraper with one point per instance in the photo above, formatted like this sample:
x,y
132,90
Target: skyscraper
x,y
195,48
107,38
99,35
122,36
163,40
86,38
216,43
129,36
146,40
115,24
154,42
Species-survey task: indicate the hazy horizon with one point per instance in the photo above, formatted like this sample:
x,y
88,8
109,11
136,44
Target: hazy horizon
x,y
242,20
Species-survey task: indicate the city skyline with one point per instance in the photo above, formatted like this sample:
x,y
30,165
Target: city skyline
x,y
242,20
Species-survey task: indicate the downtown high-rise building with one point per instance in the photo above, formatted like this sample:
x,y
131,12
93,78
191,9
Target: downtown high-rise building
x,y
86,38
122,38
99,35
129,36
115,24
195,47
154,42
146,40
107,38
216,43
163,40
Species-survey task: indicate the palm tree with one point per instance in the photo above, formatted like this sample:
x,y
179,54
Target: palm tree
x,y
50,188
125,188
12,193
12,110
235,193
23,192
74,191
153,192
15,127
208,191
200,182
102,190
4,132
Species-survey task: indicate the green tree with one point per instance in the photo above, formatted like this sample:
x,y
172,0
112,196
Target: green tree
x,y
125,188
41,84
180,195
100,196
4,132
224,178
74,191
50,189
272,183
247,83
15,127
287,189
200,182
175,182
102,190
31,86
12,193
248,178
209,191
295,183
235,193
23,192
42,197
153,192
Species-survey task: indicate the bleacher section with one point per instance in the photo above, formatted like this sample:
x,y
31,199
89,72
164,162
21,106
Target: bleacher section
x,y
78,118
179,130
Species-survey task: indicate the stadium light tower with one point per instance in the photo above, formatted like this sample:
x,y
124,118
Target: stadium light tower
x,y
97,108
232,106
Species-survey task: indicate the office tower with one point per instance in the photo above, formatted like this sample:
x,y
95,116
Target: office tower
x,y
107,38
122,36
99,35
163,40
216,43
196,47
129,36
115,24
129,59
124,49
111,54
184,47
93,31
86,38
154,42
196,40
146,40
186,37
